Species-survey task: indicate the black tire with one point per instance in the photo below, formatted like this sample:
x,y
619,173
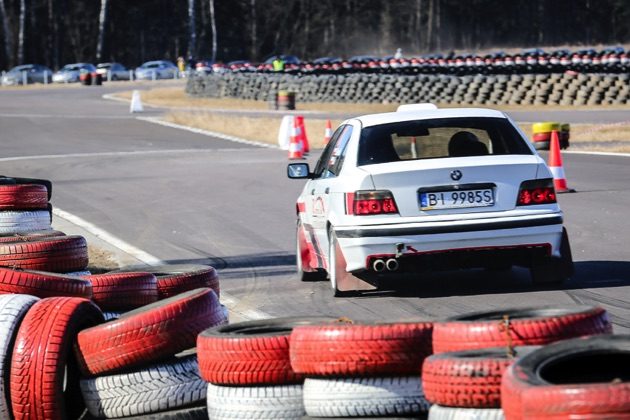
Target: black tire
x,y
334,271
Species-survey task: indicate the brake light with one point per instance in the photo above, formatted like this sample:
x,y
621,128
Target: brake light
x,y
364,203
537,191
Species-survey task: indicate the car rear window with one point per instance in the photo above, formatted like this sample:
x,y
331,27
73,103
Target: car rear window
x,y
439,138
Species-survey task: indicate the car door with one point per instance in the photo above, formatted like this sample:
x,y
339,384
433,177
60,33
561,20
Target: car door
x,y
326,187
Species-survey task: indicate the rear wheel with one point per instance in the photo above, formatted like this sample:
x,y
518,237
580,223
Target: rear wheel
x,y
302,253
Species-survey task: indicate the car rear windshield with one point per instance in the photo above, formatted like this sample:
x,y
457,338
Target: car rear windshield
x,y
439,138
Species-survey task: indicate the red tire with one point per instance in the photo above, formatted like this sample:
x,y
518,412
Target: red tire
x,y
175,279
361,349
42,284
30,236
468,379
585,378
518,327
123,291
250,353
41,354
62,254
148,334
23,197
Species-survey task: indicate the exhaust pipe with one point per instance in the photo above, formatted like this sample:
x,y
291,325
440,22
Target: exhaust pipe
x,y
378,265
392,264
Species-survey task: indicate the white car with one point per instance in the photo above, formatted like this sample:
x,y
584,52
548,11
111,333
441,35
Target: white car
x,y
427,188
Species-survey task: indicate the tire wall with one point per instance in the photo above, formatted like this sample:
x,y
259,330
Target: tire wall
x,y
514,89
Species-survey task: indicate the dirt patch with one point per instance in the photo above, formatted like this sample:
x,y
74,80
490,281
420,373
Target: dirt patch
x,y
101,261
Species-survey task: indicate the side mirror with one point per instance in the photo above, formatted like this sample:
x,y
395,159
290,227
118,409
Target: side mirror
x,y
299,171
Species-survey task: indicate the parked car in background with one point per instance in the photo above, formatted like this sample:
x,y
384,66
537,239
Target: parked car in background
x,y
35,73
116,71
70,72
158,69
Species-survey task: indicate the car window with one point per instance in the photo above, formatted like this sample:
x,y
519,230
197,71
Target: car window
x,y
439,138
335,162
322,163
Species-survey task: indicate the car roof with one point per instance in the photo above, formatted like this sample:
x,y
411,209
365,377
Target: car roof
x,y
427,114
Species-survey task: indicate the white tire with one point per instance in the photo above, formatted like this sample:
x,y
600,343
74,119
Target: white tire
x,y
111,315
161,387
438,412
258,402
362,397
12,222
12,311
79,273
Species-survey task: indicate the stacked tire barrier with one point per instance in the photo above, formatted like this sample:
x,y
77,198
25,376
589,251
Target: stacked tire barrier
x,y
362,369
515,89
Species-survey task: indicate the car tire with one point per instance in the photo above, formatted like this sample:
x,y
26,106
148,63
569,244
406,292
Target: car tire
x,y
255,402
251,352
470,378
13,308
43,284
336,269
305,276
12,222
586,377
43,360
149,333
123,291
438,412
360,349
168,385
518,327
361,397
23,197
58,254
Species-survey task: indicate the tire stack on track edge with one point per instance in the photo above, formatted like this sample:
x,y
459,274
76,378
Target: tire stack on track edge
x,y
131,365
362,369
466,385
24,205
249,371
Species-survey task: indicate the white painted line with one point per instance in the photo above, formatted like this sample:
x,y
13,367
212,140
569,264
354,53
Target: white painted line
x,y
578,152
68,117
222,136
228,300
108,237
121,154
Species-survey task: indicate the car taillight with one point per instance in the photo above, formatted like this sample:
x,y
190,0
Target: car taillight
x,y
363,203
537,191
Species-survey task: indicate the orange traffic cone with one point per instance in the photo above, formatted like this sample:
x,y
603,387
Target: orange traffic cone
x,y
302,137
555,164
295,145
327,132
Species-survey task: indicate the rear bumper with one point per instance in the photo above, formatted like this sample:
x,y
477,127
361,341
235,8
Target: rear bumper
x,y
510,238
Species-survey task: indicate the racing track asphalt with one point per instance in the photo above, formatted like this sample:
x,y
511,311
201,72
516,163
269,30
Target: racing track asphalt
x,y
185,197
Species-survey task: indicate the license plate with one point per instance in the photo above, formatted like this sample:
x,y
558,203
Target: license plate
x,y
456,199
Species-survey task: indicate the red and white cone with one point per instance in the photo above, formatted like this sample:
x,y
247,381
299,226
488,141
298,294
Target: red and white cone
x,y
302,137
555,164
327,132
295,145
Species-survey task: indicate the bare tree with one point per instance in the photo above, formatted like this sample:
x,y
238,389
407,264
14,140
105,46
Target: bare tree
x,y
102,20
254,42
20,57
192,33
8,39
213,24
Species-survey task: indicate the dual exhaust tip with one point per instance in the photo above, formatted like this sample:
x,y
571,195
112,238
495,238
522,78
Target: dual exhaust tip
x,y
380,265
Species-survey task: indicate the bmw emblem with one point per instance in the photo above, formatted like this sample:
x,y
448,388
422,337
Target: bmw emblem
x,y
456,175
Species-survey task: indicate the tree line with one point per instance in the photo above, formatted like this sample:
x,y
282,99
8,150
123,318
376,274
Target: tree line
x,y
56,32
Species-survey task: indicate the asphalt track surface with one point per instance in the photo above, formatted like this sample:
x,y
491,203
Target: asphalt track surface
x,y
190,198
